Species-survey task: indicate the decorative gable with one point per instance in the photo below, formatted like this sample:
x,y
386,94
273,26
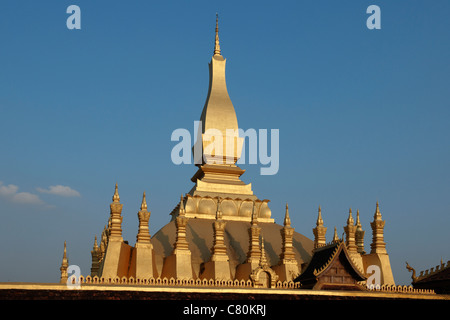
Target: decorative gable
x,y
331,268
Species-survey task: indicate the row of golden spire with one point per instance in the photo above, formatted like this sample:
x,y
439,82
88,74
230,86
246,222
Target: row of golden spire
x,y
350,220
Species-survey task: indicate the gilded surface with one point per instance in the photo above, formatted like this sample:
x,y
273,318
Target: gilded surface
x,y
220,230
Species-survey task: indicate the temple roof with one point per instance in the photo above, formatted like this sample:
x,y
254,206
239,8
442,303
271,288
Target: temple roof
x,y
323,258
437,278
440,272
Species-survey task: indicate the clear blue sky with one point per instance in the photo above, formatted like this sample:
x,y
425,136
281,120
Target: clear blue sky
x,y
363,116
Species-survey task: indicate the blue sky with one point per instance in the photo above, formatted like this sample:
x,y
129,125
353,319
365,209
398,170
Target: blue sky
x,y
363,116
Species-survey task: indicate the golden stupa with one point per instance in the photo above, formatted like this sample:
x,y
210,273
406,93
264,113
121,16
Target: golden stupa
x,y
221,231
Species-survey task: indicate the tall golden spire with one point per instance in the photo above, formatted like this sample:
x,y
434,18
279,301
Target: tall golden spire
x,y
217,45
218,146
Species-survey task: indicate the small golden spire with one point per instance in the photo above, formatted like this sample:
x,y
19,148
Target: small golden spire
x,y
377,214
287,219
217,45
64,266
263,258
254,220
144,203
181,206
319,221
65,253
335,237
350,220
95,244
116,197
218,212
358,222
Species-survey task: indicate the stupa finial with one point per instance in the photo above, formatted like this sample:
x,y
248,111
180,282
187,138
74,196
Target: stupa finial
x,y
95,243
377,214
287,219
116,197
144,202
217,45
335,236
181,209
350,220
358,222
319,221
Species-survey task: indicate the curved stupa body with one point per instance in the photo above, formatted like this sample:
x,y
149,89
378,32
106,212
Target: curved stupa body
x,y
218,146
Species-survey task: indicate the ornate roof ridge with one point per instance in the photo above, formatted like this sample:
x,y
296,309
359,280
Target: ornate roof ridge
x,y
327,264
340,246
328,245
434,270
